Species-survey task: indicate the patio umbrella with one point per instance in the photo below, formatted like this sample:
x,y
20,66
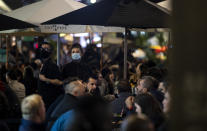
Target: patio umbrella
x,y
120,13
48,9
12,23
45,10
166,4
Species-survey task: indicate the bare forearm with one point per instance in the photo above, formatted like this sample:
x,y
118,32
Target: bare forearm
x,y
52,81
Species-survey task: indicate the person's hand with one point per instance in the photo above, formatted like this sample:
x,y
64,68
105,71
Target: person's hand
x,y
129,102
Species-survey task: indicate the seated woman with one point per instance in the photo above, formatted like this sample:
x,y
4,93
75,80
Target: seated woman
x,y
146,104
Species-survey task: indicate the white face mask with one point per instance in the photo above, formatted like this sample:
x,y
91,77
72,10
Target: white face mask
x,y
76,56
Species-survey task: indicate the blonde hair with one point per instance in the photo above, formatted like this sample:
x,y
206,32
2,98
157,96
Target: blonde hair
x,y
30,106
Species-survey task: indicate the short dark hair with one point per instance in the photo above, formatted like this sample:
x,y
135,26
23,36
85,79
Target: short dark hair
x,y
150,107
12,74
150,82
134,123
76,45
28,73
91,75
45,42
50,45
105,72
91,114
123,86
156,73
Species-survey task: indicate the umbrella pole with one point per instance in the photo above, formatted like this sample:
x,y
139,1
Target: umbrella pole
x,y
101,62
0,42
125,54
58,49
7,52
90,37
16,57
169,40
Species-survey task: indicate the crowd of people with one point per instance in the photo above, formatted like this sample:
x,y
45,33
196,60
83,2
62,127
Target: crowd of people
x,y
82,96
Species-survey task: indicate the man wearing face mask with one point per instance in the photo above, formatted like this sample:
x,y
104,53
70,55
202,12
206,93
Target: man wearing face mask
x,y
49,86
77,68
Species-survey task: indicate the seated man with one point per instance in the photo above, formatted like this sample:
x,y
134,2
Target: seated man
x,y
16,86
150,84
72,90
91,114
33,114
91,85
124,91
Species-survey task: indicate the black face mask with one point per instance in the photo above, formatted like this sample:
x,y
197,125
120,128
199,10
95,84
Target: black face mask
x,y
45,53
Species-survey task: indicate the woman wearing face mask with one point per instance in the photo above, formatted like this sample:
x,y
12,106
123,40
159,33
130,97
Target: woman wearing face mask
x,y
76,68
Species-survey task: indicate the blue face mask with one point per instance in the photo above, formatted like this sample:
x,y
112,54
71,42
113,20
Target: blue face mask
x,y
76,56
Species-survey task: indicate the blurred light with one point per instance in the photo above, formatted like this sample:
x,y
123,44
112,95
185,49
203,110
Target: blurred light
x,y
154,41
139,53
36,45
96,38
62,34
68,37
99,45
93,1
134,33
13,43
83,42
161,56
13,38
81,34
156,47
87,41
142,33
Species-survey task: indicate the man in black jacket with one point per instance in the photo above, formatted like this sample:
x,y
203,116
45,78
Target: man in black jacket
x,y
124,92
49,78
150,84
72,90
77,68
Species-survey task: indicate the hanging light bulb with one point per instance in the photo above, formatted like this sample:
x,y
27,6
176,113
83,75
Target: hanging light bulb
x,y
93,1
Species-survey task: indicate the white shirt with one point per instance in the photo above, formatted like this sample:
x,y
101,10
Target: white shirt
x,y
18,88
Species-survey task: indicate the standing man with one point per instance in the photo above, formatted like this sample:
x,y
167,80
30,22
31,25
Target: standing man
x,y
76,68
49,78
